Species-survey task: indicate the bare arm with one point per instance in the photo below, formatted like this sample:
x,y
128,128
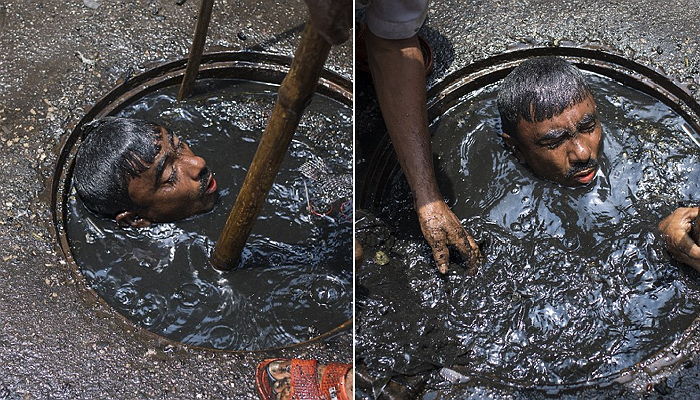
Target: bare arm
x,y
398,72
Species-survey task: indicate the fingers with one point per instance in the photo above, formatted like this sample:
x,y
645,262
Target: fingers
x,y
469,250
680,218
685,259
690,212
676,234
441,255
477,258
689,248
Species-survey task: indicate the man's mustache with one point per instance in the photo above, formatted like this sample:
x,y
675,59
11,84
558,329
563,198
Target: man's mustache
x,y
579,167
203,180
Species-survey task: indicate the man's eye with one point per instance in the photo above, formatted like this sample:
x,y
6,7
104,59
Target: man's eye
x,y
553,145
588,127
172,179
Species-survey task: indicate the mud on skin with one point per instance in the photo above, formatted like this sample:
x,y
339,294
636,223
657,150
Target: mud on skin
x,y
295,280
576,283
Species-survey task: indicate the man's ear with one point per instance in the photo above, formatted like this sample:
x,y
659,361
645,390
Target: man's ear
x,y
512,145
129,218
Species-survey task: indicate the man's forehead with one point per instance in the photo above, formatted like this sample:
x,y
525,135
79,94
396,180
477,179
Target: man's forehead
x,y
165,135
567,119
165,143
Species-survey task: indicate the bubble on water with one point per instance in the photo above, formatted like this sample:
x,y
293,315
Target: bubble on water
x,y
222,337
188,295
150,309
126,296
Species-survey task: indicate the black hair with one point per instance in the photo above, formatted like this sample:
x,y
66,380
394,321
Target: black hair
x,y
113,151
539,89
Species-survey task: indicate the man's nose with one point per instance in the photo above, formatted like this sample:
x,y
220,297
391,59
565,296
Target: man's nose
x,y
579,151
194,166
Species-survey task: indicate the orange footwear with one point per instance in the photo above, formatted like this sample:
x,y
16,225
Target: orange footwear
x,y
304,380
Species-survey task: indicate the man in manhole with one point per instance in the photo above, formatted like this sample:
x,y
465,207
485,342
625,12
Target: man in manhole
x,y
549,120
138,172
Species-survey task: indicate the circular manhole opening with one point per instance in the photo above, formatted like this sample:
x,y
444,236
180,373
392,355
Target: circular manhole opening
x,y
295,281
577,289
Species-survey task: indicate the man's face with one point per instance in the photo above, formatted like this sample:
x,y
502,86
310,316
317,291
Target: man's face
x,y
177,185
564,148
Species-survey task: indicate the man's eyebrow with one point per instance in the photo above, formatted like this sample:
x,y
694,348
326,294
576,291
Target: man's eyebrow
x,y
171,137
553,134
586,120
160,165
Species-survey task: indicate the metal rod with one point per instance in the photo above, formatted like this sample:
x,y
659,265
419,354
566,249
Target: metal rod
x,y
195,58
293,96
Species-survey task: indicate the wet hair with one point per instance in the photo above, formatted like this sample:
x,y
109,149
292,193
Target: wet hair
x,y
539,89
113,151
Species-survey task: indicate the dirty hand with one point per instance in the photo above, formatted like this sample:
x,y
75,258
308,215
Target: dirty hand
x,y
442,228
675,231
331,18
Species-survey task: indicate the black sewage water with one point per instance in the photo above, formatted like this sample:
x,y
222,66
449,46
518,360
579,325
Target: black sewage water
x,y
576,285
294,282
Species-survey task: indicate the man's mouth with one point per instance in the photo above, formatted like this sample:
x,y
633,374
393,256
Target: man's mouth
x,y
586,176
208,184
211,187
583,173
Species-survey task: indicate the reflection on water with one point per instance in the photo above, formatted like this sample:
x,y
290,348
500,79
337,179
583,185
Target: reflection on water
x,y
576,283
295,280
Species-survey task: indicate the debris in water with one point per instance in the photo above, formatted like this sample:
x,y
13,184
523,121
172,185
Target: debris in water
x,y
94,4
85,60
453,376
662,387
381,258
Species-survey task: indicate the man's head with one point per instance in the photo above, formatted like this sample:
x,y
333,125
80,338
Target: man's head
x,y
549,119
137,172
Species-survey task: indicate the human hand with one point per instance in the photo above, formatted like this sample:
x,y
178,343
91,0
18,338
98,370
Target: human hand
x,y
675,231
331,18
441,228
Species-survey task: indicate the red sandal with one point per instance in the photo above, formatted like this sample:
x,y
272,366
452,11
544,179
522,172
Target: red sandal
x,y
304,380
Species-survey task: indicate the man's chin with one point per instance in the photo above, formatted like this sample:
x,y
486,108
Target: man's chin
x,y
584,178
209,202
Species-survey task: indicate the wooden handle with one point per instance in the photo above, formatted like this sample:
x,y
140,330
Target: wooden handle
x,y
294,94
195,58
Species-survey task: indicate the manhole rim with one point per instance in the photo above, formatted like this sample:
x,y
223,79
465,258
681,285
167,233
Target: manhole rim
x,y
219,65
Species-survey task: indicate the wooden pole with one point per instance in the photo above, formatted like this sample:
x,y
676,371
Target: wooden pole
x,y
195,58
293,96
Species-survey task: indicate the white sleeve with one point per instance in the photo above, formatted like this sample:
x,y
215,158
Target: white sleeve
x,y
396,19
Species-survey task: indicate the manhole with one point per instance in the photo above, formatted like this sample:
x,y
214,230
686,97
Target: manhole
x,y
577,290
295,285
